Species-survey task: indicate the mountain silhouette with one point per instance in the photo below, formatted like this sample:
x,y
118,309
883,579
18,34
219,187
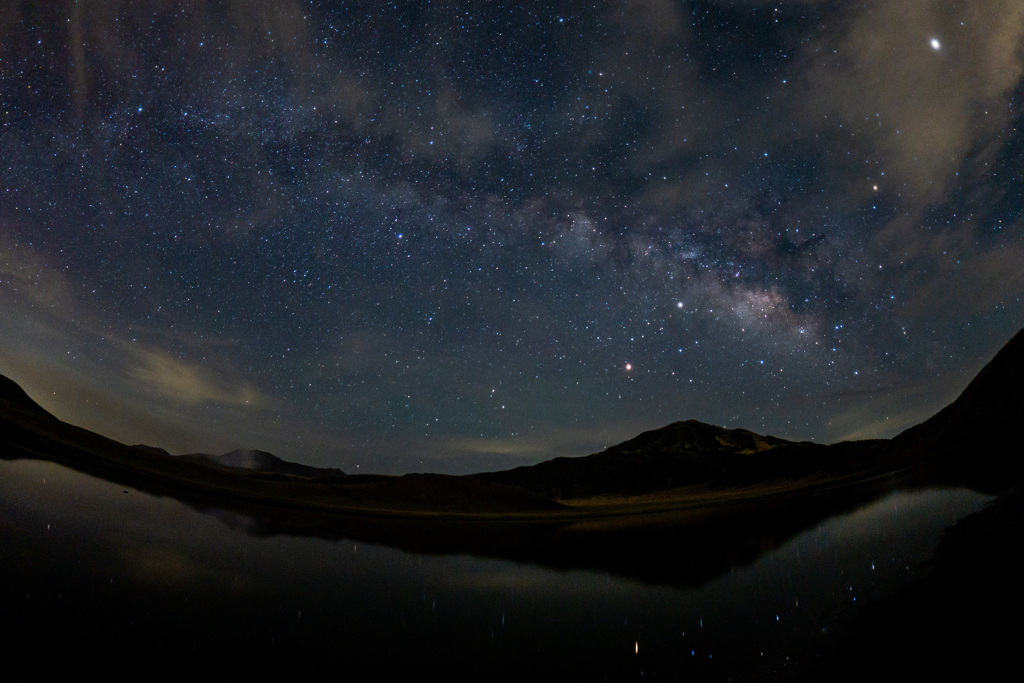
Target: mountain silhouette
x,y
262,461
680,454
13,398
972,441
688,454
980,431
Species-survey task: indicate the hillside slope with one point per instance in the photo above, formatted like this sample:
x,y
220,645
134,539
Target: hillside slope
x,y
980,432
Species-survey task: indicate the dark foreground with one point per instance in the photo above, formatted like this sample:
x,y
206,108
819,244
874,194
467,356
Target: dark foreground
x,y
962,621
100,577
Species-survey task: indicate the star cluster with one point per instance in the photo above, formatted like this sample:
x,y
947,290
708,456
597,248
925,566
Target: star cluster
x,y
454,236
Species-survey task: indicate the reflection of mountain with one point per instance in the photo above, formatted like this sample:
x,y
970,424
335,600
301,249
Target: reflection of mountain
x,y
682,547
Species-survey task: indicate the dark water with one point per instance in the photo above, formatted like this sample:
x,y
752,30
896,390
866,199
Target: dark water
x,y
93,574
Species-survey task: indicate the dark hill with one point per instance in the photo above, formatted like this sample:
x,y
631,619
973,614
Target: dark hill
x,y
262,461
245,477
975,440
250,460
680,454
980,432
694,436
151,450
13,397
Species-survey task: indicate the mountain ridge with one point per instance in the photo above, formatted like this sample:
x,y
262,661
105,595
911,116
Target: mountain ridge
x,y
972,440
984,421
262,461
12,396
682,454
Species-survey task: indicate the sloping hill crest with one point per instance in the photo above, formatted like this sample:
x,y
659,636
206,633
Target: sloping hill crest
x,y
14,397
981,430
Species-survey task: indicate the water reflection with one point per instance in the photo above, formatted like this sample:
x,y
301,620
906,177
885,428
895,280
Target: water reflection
x,y
679,548
108,574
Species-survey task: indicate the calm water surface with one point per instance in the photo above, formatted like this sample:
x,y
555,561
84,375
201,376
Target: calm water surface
x,y
105,574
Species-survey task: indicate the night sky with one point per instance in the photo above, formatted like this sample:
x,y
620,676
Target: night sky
x,y
458,236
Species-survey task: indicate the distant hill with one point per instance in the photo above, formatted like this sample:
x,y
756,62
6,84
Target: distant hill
x,y
680,454
974,441
267,462
252,460
248,477
689,453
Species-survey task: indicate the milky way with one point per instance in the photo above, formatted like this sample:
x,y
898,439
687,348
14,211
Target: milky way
x,y
455,236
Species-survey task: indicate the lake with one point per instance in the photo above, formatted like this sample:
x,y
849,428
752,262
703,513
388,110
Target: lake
x,y
98,574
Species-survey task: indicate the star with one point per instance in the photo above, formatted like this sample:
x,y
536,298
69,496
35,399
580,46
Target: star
x,y
359,239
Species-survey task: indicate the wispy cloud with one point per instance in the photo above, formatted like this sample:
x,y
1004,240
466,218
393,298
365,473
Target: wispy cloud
x,y
180,381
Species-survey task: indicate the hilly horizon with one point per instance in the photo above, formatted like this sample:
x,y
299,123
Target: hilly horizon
x,y
980,425
685,454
